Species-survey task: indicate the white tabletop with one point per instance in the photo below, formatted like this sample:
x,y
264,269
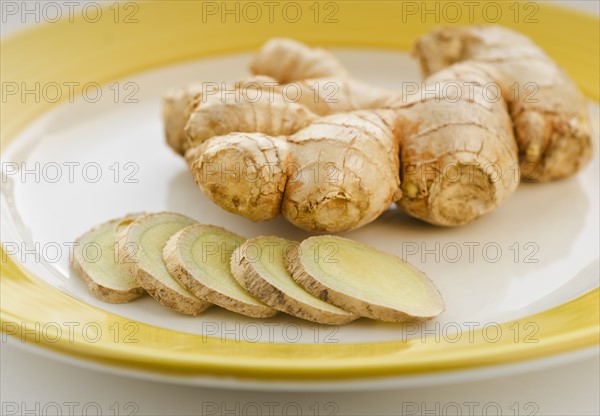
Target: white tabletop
x,y
31,384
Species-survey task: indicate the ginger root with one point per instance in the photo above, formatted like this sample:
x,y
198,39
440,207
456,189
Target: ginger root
x,y
338,173
446,158
319,86
458,154
192,115
549,113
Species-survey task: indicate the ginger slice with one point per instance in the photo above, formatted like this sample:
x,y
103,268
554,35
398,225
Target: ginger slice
x,y
259,266
140,250
363,280
198,258
96,262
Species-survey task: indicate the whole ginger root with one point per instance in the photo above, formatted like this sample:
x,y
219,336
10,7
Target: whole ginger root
x,y
335,165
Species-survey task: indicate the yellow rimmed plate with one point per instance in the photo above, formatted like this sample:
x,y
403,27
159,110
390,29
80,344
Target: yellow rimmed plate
x,y
520,284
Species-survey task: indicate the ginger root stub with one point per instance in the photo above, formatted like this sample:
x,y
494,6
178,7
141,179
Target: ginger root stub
x,y
548,111
458,153
446,158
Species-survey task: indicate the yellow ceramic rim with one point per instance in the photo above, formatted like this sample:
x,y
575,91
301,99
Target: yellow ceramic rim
x,y
169,32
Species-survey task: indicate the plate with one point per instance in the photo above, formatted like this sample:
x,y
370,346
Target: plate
x,y
520,284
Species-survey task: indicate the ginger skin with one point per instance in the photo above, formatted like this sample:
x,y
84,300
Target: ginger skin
x,y
458,154
192,115
321,86
319,178
549,113
444,159
342,171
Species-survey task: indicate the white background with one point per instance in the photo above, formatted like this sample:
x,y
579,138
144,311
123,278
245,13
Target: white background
x,y
31,383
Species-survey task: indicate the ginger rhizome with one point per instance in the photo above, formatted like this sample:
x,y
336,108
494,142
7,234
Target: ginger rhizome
x,y
548,112
446,157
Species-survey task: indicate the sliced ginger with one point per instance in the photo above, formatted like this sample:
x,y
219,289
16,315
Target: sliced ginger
x,y
198,258
188,266
259,266
363,280
140,248
95,261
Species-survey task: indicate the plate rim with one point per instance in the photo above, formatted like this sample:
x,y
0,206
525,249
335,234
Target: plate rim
x,y
308,386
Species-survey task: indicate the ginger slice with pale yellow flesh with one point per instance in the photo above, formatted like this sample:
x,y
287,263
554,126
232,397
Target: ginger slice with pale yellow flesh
x,y
140,250
96,262
198,258
363,280
259,266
